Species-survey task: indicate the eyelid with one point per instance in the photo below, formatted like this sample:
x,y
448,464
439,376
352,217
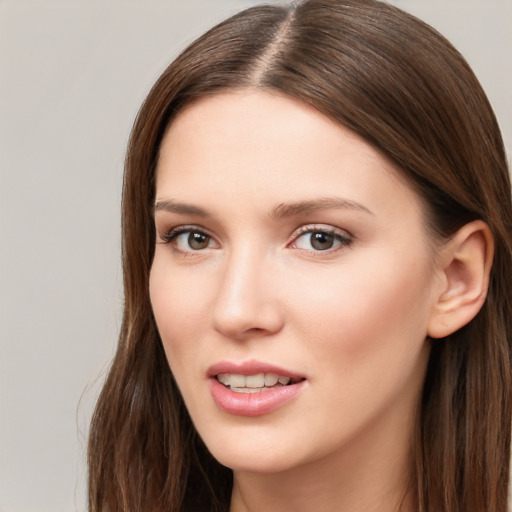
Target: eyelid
x,y
324,228
342,235
167,236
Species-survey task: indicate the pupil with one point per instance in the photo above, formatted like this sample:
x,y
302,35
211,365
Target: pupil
x,y
322,241
197,241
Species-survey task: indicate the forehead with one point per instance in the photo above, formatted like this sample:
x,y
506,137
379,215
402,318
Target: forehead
x,y
253,146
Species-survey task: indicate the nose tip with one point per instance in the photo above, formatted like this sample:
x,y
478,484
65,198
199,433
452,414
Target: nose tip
x,y
236,320
247,304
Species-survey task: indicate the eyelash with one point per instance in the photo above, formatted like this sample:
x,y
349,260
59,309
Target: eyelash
x,y
172,235
343,238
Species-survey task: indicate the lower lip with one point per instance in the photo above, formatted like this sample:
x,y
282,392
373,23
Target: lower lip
x,y
253,404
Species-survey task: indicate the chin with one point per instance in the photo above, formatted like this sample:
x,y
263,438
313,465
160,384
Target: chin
x,y
256,463
254,456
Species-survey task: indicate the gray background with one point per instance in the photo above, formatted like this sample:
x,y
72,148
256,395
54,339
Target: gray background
x,y
72,76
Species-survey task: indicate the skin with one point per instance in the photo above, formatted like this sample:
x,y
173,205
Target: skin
x,y
352,319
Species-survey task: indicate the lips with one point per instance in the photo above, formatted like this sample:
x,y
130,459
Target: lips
x,y
252,388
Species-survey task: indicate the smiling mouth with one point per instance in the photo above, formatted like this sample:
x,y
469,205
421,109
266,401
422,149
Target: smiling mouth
x,y
257,383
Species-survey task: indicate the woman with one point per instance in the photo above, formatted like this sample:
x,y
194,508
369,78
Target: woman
x,y
316,244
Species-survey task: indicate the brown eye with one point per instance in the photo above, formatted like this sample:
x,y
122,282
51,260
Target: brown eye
x,y
321,241
198,241
189,240
318,239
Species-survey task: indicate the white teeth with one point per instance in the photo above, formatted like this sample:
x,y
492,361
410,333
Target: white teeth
x,y
252,383
247,390
271,379
223,378
236,381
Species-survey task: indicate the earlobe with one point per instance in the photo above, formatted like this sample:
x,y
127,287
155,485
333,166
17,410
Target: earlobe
x,y
465,263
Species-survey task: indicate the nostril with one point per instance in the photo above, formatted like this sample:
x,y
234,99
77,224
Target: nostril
x,y
246,320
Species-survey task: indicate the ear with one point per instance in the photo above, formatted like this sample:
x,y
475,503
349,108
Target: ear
x,y
464,265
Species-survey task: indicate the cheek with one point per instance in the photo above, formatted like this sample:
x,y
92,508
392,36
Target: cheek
x,y
376,310
180,308
363,335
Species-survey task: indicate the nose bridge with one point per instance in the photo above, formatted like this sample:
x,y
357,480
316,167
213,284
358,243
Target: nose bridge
x,y
246,301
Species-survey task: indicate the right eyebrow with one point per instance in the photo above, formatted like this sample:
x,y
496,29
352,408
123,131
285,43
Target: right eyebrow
x,y
168,205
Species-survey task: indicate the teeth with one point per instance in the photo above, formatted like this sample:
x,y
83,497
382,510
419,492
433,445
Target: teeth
x,y
252,383
236,381
247,390
271,379
223,378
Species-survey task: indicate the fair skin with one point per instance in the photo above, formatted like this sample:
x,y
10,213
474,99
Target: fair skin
x,y
285,241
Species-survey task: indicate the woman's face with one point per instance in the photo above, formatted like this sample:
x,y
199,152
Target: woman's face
x,y
292,284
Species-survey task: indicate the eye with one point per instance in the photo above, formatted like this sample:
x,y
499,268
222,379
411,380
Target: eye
x,y
321,239
192,240
186,239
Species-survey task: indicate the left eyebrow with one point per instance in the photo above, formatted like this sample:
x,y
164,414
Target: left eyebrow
x,y
306,207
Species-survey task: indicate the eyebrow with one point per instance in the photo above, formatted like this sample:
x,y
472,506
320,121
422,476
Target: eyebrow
x,y
279,212
171,206
306,207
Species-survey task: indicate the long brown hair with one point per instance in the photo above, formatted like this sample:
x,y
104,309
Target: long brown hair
x,y
402,87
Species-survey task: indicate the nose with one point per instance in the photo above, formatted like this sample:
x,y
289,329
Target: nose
x,y
247,303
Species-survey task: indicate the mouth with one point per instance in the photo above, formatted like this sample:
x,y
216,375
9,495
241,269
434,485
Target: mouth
x,y
256,383
253,388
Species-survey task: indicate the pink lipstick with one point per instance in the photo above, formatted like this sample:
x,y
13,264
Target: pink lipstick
x,y
252,388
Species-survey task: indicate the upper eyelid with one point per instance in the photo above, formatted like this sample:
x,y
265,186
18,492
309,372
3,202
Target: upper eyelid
x,y
183,228
345,238
327,228
169,234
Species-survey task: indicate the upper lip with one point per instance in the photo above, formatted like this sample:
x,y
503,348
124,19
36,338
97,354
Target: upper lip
x,y
251,367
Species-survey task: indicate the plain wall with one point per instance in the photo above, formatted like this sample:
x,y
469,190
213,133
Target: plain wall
x,y
72,76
